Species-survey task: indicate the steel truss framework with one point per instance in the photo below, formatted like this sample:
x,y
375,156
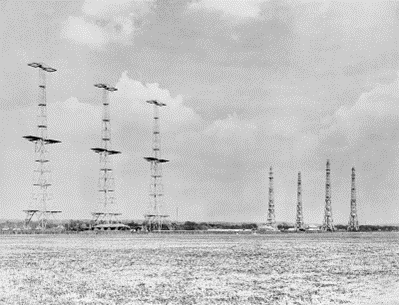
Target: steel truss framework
x,y
40,206
106,212
328,224
353,224
271,216
299,224
155,219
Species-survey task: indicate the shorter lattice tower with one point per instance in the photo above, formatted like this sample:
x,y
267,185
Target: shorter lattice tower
x,y
353,224
299,225
328,219
40,207
106,211
271,217
155,218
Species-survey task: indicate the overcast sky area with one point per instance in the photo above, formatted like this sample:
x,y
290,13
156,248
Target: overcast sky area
x,y
249,84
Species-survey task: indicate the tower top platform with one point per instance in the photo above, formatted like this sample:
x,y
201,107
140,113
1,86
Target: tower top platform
x,y
41,66
101,150
156,103
106,87
36,138
153,159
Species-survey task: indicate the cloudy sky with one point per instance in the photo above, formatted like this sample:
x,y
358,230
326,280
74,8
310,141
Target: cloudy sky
x,y
249,84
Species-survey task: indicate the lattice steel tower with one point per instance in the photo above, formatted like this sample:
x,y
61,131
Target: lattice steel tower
x,y
299,225
353,222
271,217
328,219
106,212
40,206
154,217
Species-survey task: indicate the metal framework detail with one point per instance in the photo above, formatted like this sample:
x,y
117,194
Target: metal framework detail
x,y
271,217
299,225
328,218
155,218
353,224
106,212
40,205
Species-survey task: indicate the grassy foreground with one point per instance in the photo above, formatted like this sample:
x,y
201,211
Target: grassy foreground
x,y
347,268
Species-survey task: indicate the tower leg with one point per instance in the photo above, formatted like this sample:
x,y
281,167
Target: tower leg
x,y
28,218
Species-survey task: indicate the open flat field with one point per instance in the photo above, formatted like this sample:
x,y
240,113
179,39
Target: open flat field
x,y
340,268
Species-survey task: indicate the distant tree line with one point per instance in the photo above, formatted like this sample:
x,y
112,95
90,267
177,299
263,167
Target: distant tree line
x,y
77,225
366,228
191,225
83,225
370,228
362,228
80,225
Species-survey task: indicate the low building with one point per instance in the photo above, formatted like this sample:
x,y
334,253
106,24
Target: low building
x,y
313,228
266,228
112,226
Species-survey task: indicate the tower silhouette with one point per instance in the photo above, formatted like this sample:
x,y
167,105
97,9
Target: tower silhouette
x,y
353,224
328,219
271,217
299,225
106,210
155,218
40,206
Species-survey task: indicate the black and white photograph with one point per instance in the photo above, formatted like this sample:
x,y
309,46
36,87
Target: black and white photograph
x,y
199,152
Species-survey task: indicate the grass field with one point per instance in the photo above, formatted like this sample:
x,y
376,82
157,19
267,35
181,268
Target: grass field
x,y
340,268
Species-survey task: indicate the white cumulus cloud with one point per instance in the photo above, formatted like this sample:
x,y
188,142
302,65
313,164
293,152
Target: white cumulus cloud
x,y
238,8
104,21
79,30
232,126
109,8
130,103
374,111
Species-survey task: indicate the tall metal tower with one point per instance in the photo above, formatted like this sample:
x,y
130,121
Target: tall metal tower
x,y
154,217
106,212
40,204
271,217
353,222
328,219
299,225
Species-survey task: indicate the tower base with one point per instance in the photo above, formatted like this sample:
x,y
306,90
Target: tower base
x,y
272,225
107,221
42,217
153,222
353,227
328,229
